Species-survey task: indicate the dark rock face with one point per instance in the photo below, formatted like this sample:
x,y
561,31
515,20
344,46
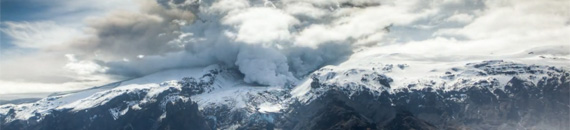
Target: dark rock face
x,y
478,104
405,120
329,114
336,111
169,109
179,114
522,105
339,116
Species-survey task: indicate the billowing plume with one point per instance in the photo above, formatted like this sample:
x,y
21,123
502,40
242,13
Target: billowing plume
x,y
270,42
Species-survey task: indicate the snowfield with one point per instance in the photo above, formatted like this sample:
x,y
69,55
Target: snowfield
x,y
214,86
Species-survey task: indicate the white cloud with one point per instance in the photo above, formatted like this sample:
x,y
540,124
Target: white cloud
x,y
510,27
356,24
271,42
82,67
17,87
305,9
26,67
39,34
460,18
517,19
225,6
37,62
499,29
261,25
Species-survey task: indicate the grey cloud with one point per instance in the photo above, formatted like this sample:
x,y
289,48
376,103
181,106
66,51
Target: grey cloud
x,y
128,34
267,41
275,42
303,60
256,38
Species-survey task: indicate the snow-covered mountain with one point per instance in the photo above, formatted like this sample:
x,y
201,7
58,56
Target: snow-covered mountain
x,y
365,91
287,64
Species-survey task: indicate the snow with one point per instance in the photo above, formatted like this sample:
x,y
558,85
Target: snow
x,y
353,75
236,95
92,101
151,83
168,75
115,113
269,107
171,99
228,89
448,73
25,111
301,90
97,96
80,100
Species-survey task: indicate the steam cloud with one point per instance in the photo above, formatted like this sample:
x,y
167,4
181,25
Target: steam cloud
x,y
270,42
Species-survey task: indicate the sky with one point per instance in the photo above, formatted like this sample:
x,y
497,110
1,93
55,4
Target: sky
x,y
60,45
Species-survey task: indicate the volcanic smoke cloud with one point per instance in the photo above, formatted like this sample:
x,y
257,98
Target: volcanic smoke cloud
x,y
270,42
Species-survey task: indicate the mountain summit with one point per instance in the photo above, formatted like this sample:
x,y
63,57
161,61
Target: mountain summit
x,y
368,94
285,64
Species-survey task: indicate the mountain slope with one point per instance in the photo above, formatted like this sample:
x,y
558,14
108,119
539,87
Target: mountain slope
x,y
353,95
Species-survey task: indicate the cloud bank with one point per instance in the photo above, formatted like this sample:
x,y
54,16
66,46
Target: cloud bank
x,y
270,42
275,42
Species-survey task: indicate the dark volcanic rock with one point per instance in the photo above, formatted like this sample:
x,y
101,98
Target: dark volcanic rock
x,y
405,120
179,114
339,116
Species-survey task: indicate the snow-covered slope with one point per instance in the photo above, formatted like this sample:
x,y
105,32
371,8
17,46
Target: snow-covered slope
x,y
375,89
